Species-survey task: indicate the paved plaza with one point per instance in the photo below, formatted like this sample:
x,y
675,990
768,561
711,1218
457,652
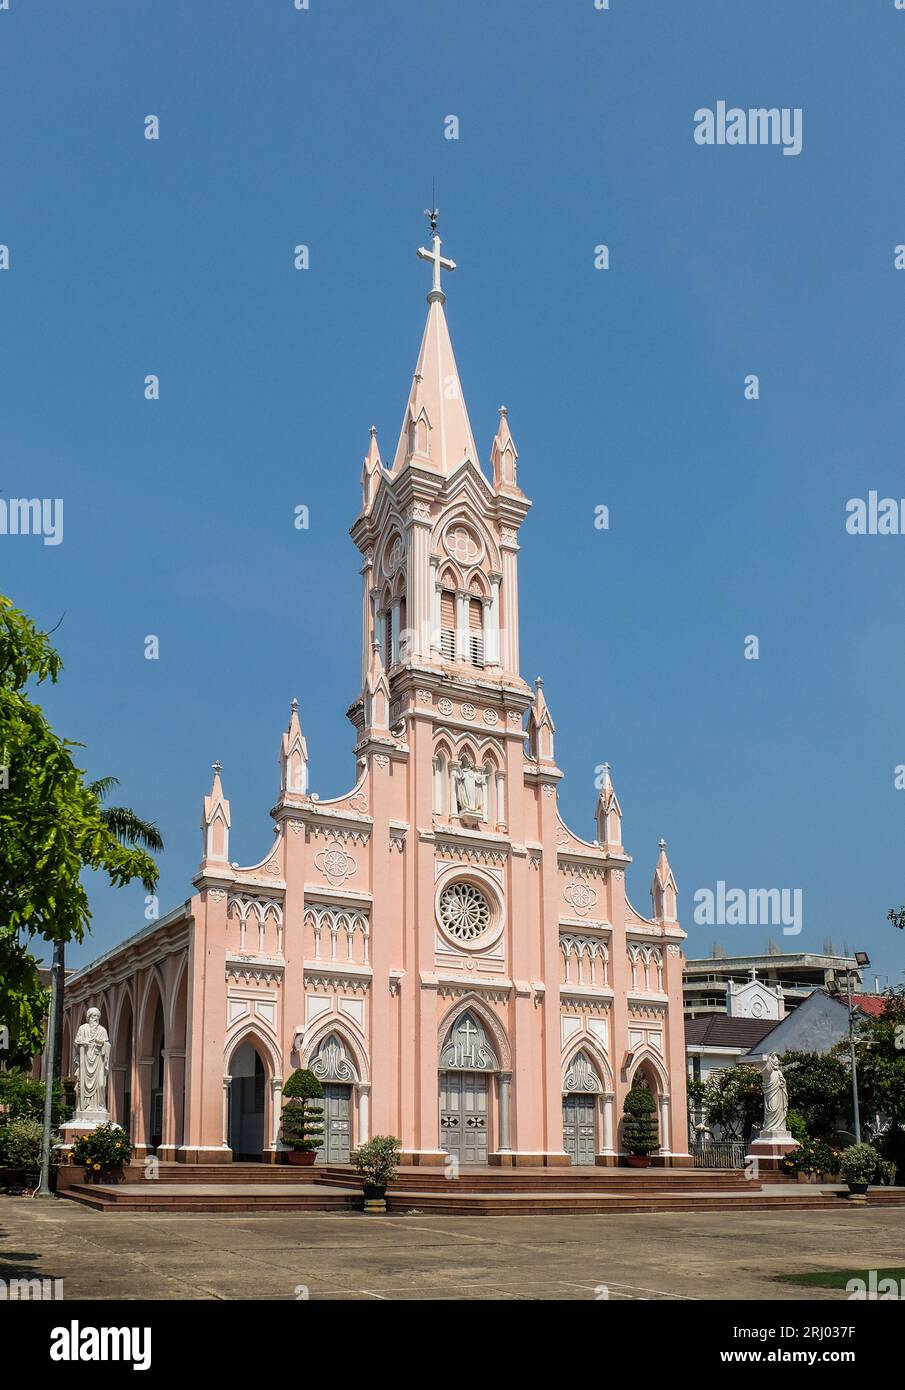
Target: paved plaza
x,y
351,1256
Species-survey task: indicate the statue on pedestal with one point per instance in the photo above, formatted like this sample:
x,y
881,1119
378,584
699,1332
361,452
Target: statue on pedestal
x,y
92,1067
776,1097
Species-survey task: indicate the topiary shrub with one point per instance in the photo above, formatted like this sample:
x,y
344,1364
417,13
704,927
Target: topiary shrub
x,y
640,1132
302,1127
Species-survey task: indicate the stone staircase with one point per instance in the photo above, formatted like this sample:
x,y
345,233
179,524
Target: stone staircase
x,y
249,1187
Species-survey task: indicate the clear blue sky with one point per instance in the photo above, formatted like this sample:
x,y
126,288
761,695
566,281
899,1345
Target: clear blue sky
x,y
625,388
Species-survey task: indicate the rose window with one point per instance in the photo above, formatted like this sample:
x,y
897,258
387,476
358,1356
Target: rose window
x,y
464,911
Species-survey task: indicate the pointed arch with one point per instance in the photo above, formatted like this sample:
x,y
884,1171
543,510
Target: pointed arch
x,y
652,1065
473,1003
319,1034
588,1044
265,1047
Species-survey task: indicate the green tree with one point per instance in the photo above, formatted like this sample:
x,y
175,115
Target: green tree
x,y
52,827
880,1052
129,829
731,1099
819,1090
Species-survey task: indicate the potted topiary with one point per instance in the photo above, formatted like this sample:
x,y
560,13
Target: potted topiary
x,y
858,1166
377,1161
302,1129
103,1151
640,1134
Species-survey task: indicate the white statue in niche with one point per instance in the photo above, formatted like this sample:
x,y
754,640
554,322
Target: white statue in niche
x,y
469,787
92,1067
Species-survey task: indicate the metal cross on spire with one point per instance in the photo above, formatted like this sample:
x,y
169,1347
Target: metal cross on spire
x,y
439,262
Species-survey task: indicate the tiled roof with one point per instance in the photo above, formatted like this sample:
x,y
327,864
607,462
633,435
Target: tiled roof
x,y
718,1030
868,1003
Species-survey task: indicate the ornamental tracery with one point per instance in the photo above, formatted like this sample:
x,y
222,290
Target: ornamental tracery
x,y
581,1075
580,896
341,925
332,1063
335,863
586,960
646,965
464,912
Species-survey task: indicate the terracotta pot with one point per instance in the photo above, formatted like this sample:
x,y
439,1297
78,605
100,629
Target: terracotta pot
x,y
638,1160
302,1158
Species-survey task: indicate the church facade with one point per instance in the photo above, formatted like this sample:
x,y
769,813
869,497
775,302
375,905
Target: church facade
x,y
459,967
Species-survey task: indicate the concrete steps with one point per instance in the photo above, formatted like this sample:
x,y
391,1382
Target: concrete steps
x,y
250,1187
213,1197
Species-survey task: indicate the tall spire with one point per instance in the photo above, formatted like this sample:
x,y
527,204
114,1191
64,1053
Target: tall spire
x,y
503,454
436,432
215,822
294,756
609,813
663,889
540,726
371,471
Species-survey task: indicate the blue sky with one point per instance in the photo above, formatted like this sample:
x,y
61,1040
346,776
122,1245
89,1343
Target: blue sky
x,y
624,388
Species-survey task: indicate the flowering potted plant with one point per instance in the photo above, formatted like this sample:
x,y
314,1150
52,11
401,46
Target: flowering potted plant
x,y
377,1161
640,1135
103,1152
858,1166
302,1127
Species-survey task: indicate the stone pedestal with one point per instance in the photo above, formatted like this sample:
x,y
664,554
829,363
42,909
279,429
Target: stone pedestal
x,y
770,1147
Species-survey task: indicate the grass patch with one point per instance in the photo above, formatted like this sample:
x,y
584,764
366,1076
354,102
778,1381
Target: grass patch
x,y
838,1278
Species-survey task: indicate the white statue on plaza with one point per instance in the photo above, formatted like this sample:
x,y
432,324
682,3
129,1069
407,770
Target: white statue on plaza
x,y
92,1067
776,1097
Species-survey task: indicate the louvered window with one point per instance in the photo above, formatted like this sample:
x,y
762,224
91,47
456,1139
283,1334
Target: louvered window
x,y
448,625
388,638
476,632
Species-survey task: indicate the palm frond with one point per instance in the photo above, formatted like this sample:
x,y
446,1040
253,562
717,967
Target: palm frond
x,y
131,829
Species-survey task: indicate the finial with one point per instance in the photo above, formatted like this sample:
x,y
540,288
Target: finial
x,y
294,705
217,766
373,431
538,680
662,845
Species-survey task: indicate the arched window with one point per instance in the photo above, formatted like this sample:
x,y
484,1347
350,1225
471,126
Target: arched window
x,y
440,784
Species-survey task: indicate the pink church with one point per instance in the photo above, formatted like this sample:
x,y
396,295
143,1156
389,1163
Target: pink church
x,y
458,966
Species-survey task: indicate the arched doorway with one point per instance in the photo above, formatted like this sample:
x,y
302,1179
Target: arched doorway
x,y
334,1067
467,1063
155,1117
122,1067
246,1103
581,1092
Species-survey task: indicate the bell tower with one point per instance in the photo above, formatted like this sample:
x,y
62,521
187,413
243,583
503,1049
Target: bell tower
x,y
439,542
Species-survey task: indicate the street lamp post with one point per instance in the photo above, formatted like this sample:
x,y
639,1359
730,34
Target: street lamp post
x,y
862,959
